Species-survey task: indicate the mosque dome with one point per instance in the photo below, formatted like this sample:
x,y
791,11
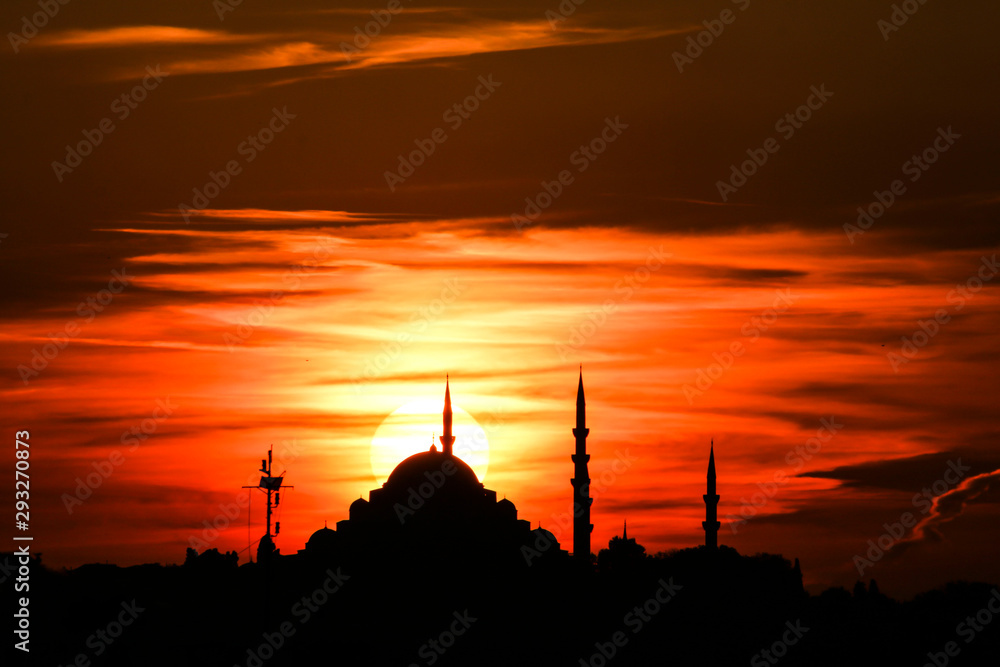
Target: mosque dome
x,y
434,467
507,509
358,508
323,539
544,537
432,502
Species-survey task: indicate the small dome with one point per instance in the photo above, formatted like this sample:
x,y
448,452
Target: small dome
x,y
358,508
544,541
322,540
506,509
542,534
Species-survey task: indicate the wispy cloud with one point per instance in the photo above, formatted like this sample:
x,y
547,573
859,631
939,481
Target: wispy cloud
x,y
493,36
946,508
428,42
245,215
290,54
137,35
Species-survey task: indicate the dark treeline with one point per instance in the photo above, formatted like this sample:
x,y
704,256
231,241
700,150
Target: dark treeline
x,y
454,606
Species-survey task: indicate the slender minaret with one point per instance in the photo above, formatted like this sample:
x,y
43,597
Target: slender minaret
x,y
447,440
581,481
711,523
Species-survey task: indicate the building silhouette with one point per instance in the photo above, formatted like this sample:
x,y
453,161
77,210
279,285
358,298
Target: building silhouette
x,y
623,553
432,502
581,481
711,523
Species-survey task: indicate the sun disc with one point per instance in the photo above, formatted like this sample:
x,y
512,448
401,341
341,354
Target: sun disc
x,y
408,431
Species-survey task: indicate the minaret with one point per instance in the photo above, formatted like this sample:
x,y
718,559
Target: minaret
x,y
581,481
711,523
447,440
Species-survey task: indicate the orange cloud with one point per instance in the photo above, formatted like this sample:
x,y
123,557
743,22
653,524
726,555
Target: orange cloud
x,y
138,35
490,37
429,43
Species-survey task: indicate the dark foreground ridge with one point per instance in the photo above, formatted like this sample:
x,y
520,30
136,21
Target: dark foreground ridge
x,y
689,607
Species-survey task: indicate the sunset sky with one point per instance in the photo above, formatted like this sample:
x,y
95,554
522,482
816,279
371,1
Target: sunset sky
x,y
286,232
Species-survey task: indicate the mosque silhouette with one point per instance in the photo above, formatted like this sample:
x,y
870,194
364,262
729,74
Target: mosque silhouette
x,y
430,500
433,500
433,570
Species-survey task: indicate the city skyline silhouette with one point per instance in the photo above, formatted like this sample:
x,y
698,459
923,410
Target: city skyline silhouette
x,y
429,531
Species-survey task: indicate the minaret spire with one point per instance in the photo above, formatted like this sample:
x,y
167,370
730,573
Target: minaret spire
x,y
447,440
581,481
625,530
711,523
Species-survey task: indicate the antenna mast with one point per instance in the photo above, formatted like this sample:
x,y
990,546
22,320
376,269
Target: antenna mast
x,y
272,486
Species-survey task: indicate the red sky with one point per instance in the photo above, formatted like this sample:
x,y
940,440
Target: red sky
x,y
309,299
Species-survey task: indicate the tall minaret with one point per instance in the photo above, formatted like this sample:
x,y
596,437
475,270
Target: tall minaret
x,y
711,523
581,481
447,440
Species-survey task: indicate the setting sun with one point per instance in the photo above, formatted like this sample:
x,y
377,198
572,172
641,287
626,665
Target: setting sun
x,y
409,429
